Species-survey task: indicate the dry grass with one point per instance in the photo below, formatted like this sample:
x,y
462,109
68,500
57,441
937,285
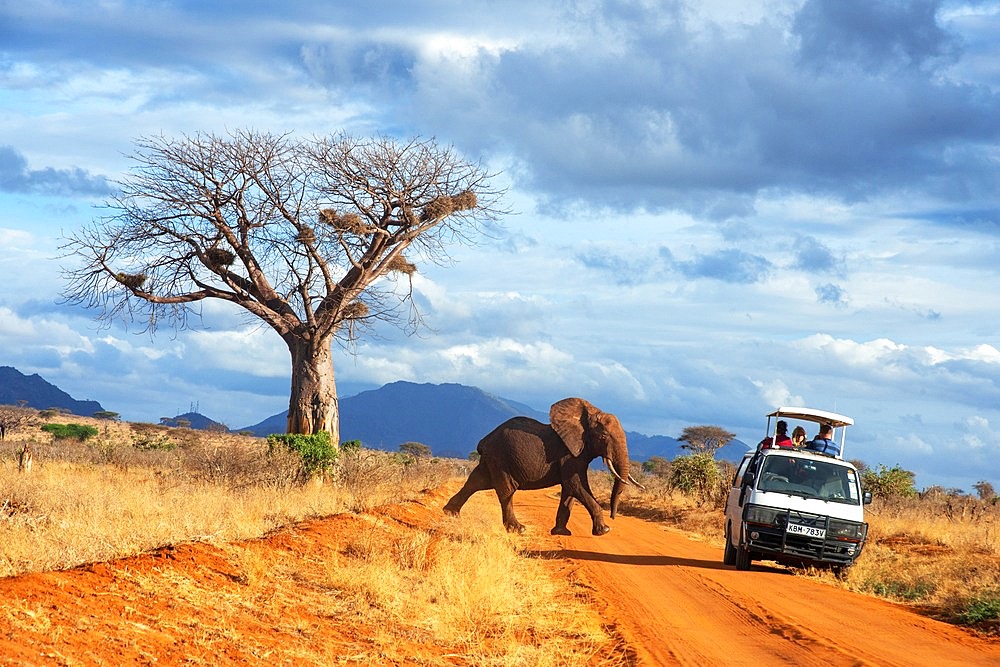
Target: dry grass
x,y
424,592
106,499
940,554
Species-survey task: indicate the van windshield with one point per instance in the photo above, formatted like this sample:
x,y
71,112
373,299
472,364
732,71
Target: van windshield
x,y
809,478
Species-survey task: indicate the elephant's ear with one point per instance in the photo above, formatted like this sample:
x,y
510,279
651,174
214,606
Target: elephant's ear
x,y
568,417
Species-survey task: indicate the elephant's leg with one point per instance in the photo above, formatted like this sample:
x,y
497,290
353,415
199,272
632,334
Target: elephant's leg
x,y
505,494
479,480
586,496
562,514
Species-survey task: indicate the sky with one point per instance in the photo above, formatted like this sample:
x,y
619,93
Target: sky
x,y
717,207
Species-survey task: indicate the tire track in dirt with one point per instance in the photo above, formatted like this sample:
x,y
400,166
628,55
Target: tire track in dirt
x,y
675,603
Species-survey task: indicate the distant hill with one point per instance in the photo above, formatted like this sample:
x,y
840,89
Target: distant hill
x,y
39,394
448,418
451,419
194,420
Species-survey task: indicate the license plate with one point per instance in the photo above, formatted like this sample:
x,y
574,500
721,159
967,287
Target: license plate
x,y
808,531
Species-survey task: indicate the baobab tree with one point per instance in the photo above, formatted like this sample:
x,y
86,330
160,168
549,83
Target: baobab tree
x,y
305,235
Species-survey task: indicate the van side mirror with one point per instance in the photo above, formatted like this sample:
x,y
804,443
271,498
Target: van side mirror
x,y
749,479
866,497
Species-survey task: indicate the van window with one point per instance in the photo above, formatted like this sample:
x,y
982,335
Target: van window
x,y
809,478
738,476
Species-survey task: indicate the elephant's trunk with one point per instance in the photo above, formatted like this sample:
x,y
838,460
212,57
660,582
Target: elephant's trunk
x,y
616,491
619,468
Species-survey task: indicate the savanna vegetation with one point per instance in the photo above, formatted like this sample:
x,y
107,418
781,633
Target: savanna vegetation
x,y
135,487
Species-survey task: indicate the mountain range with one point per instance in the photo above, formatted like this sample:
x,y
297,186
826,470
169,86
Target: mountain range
x,y
448,418
451,419
33,391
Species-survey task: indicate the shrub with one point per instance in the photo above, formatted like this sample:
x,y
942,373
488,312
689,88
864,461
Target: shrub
x,y
148,441
889,482
657,465
695,473
901,590
79,432
985,607
350,446
317,451
404,459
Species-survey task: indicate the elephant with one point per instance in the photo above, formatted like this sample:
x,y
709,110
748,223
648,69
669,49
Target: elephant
x,y
523,453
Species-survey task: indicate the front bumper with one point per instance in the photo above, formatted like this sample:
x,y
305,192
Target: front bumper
x,y
765,534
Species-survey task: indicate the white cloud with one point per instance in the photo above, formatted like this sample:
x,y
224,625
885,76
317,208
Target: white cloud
x,y
252,350
718,211
775,392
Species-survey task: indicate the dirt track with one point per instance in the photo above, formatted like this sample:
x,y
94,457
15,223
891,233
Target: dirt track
x,y
677,604
670,599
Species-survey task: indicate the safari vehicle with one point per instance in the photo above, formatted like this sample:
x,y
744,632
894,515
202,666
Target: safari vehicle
x,y
795,506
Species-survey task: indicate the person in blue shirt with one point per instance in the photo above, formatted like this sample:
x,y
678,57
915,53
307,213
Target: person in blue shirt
x,y
824,442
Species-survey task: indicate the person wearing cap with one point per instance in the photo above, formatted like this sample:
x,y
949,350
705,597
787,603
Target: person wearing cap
x,y
780,438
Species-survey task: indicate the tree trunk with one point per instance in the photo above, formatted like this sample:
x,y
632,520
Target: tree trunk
x,y
313,407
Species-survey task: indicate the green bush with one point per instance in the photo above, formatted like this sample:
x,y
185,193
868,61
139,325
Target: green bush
x,y
984,608
150,441
694,473
79,432
911,591
889,482
350,446
317,451
404,459
657,465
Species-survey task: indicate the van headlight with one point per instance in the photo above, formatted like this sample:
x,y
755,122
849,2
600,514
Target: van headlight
x,y
767,516
847,530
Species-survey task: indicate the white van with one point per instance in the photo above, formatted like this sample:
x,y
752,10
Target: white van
x,y
796,506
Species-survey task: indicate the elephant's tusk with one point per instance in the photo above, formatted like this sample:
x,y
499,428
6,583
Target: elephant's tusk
x,y
614,472
632,479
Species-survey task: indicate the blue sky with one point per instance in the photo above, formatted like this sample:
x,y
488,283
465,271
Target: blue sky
x,y
718,206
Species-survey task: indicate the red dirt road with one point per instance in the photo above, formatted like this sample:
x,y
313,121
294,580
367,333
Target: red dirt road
x,y
675,603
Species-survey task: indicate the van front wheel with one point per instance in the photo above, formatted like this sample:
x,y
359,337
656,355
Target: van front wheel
x,y
743,559
729,555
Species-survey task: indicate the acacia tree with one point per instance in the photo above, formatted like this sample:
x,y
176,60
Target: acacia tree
x,y
15,418
705,439
306,235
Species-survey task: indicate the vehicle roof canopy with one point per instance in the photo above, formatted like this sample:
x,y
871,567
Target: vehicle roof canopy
x,y
813,415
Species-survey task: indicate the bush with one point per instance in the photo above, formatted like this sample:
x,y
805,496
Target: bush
x,y
148,441
317,451
889,482
657,466
79,432
981,609
695,473
350,446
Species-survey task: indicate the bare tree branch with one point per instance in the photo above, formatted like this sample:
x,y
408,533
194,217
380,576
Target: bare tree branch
x,y
301,234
